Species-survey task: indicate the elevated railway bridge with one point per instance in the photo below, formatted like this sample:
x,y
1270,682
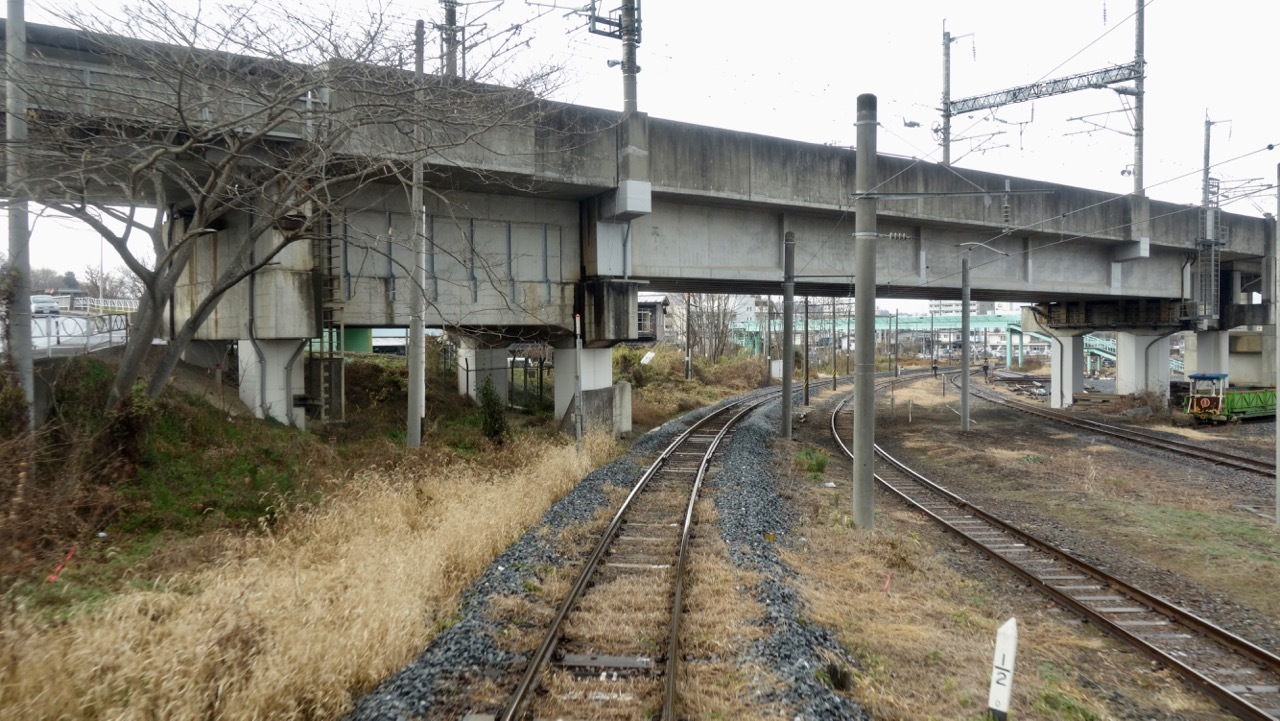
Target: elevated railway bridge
x,y
552,211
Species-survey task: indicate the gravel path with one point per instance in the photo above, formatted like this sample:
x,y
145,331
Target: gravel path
x,y
748,506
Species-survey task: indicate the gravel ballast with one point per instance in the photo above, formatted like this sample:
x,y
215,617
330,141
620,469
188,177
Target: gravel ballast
x,y
748,507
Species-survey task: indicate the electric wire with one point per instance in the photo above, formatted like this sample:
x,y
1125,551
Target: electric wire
x,y
991,113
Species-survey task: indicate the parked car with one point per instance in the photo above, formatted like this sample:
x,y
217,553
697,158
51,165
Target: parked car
x,y
44,305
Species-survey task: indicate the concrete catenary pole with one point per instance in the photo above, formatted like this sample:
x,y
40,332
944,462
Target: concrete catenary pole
x,y
805,390
630,39
933,342
450,37
864,261
946,94
848,336
688,336
1275,319
19,231
417,332
579,406
788,326
897,344
833,343
1139,98
964,341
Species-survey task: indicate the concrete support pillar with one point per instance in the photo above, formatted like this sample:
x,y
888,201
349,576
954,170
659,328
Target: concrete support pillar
x,y
1211,349
1068,370
1067,360
271,374
601,405
477,361
208,354
1142,363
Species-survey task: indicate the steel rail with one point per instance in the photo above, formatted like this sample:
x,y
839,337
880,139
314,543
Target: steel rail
x,y
1228,641
673,641
538,661
1244,463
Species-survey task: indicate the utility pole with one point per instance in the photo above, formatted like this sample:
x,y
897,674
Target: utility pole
x,y
865,231
964,342
688,336
630,39
417,348
1209,245
788,326
947,39
1140,94
19,231
449,35
579,404
805,392
986,351
848,337
627,27
833,343
897,342
773,345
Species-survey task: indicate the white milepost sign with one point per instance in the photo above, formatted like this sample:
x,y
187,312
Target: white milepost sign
x,y
647,357
1002,670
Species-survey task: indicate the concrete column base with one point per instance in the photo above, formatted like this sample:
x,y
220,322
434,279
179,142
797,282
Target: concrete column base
x,y
207,353
268,382
1268,371
1211,352
1068,370
1142,363
1067,361
477,362
605,405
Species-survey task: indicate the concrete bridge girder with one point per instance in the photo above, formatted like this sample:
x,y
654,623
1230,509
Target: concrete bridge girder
x,y
521,192
704,246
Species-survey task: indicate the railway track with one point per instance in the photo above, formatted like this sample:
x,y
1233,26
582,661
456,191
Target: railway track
x,y
600,657
612,650
1242,677
1245,463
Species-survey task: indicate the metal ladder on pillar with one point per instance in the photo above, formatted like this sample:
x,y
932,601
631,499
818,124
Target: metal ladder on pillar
x,y
327,354
1209,263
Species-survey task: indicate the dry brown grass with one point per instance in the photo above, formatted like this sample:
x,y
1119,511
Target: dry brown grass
x,y
922,393
719,624
923,633
660,392
291,624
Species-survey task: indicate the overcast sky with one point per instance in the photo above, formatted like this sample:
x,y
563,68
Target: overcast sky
x,y
795,69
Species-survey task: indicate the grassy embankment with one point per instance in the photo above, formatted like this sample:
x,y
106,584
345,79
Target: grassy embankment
x,y
230,568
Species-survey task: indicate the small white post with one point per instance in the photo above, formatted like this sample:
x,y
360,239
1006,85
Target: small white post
x,y
1002,670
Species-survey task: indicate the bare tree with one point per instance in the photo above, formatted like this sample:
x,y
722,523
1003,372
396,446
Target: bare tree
x,y
269,119
707,318
43,279
111,284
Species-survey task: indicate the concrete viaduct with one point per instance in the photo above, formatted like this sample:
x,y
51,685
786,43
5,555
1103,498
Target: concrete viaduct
x,y
530,223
